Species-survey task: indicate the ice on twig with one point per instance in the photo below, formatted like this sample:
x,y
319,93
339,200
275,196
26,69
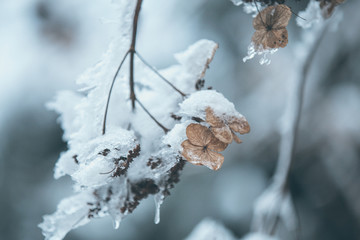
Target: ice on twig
x,y
264,53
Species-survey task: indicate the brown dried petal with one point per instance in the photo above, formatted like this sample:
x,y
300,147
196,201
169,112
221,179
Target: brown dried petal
x,y
217,145
191,152
199,156
270,26
240,125
198,135
236,138
216,160
212,119
273,17
222,133
281,16
270,39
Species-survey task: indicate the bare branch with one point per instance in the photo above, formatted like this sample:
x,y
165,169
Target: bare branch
x,y
161,76
110,91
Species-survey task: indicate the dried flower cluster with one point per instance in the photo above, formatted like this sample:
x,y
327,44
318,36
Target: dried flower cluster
x,y
204,143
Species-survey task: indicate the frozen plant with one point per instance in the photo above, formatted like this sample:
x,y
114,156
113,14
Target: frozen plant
x,y
126,132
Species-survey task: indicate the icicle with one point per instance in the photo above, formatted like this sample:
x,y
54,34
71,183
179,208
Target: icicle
x,y
159,198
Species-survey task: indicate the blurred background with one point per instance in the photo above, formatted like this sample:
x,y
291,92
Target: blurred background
x,y
45,45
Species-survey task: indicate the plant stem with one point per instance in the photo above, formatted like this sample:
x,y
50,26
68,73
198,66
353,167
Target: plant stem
x,y
161,76
110,91
270,217
289,135
152,117
132,52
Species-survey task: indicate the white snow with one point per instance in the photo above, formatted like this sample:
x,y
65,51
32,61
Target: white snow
x,y
196,104
258,236
210,229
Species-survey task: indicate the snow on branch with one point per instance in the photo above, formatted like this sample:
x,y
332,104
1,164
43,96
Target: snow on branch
x,y
135,149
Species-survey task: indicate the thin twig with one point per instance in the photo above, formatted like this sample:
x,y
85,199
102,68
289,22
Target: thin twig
x,y
157,73
152,117
132,52
110,91
257,8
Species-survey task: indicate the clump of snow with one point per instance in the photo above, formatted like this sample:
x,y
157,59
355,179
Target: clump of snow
x,y
177,135
210,229
237,2
252,8
70,214
312,15
65,102
264,53
258,236
196,104
200,52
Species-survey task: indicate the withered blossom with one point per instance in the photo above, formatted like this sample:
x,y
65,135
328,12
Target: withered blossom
x,y
202,147
270,25
224,127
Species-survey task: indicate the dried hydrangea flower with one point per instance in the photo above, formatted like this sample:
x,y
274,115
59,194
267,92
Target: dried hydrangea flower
x,y
202,147
270,25
224,128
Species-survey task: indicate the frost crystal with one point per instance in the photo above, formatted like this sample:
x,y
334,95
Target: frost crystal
x,y
252,52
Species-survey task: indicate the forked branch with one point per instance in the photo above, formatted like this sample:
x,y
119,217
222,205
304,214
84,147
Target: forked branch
x,y
132,52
